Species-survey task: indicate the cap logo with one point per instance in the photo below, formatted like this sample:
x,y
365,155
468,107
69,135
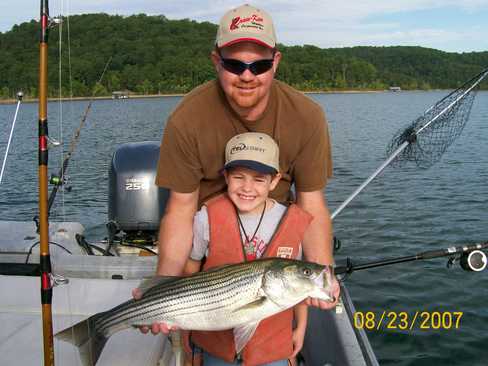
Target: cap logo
x,y
242,146
255,22
234,22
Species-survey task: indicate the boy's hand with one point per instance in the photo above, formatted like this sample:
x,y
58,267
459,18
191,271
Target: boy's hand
x,y
326,305
155,328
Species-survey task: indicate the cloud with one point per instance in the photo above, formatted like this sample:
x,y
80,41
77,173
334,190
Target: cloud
x,y
366,23
324,23
391,35
313,10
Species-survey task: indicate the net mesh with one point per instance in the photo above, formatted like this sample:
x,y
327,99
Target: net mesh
x,y
432,133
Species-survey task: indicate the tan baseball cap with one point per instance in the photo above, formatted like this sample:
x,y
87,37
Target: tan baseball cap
x,y
253,150
246,23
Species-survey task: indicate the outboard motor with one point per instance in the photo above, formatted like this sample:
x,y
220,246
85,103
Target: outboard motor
x,y
136,203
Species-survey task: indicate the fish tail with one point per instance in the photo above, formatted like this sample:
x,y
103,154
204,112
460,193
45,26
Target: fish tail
x,y
89,341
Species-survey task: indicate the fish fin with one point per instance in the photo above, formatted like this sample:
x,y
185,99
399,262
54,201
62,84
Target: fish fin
x,y
84,336
243,334
256,303
149,283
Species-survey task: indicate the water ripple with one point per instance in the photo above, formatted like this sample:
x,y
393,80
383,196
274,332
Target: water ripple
x,y
404,211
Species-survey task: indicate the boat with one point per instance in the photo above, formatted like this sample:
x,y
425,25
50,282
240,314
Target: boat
x,y
89,283
86,278
120,94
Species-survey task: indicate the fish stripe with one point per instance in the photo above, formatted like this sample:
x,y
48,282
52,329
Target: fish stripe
x,y
197,299
155,307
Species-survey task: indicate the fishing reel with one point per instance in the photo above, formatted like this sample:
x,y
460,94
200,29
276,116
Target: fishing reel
x,y
473,261
58,181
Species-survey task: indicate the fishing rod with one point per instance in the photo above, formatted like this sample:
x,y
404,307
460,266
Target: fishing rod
x,y
44,259
20,95
470,257
60,179
425,139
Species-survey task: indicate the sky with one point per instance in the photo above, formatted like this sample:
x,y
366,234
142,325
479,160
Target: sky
x,y
447,25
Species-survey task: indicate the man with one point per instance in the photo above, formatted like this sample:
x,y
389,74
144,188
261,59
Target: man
x,y
244,98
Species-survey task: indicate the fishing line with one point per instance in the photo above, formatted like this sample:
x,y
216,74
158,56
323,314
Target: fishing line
x,y
60,102
68,290
19,101
60,179
70,80
425,140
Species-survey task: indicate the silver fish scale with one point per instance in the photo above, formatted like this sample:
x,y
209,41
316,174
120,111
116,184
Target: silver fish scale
x,y
182,303
171,297
207,299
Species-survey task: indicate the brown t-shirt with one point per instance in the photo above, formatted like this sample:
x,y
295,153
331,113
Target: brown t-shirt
x,y
193,144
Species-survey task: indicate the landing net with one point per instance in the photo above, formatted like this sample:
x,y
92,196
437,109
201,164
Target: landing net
x,y
429,136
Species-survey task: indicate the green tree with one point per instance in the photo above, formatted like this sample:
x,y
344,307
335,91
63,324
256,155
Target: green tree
x,y
99,90
4,93
145,87
152,54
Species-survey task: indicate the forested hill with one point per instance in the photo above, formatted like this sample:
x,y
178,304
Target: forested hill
x,y
151,54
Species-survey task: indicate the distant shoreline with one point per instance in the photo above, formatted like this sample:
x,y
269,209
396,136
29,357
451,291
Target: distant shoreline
x,y
138,96
34,100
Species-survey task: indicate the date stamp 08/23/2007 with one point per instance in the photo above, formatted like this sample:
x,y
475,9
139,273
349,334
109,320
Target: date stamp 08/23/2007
x,y
403,320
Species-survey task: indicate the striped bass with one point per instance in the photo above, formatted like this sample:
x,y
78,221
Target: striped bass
x,y
234,296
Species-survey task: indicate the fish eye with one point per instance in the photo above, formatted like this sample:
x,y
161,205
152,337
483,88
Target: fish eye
x,y
307,271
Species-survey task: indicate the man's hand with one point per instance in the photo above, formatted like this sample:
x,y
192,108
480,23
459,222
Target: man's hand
x,y
155,328
175,239
335,291
317,242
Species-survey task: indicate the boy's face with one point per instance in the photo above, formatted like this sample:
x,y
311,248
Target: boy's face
x,y
249,189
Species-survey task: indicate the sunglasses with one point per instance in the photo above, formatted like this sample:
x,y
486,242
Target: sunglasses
x,y
238,67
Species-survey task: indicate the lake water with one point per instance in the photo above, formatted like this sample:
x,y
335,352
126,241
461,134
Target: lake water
x,y
403,212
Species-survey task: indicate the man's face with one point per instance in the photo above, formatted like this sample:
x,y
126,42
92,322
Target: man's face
x,y
246,91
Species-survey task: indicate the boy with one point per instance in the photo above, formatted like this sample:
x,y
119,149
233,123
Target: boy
x,y
242,225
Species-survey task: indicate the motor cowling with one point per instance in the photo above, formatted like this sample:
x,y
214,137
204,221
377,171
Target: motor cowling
x,y
136,203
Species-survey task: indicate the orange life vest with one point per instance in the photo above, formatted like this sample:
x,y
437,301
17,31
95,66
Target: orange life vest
x,y
272,340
